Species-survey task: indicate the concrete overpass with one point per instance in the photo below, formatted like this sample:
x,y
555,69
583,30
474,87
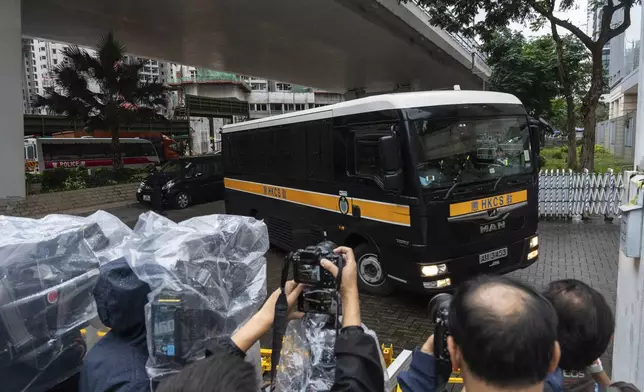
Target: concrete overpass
x,y
355,46
338,45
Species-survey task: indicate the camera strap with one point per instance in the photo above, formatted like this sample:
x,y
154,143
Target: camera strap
x,y
280,321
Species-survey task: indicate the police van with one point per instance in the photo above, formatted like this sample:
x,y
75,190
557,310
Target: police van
x,y
429,188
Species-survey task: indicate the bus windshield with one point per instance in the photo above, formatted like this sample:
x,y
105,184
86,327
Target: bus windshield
x,y
471,150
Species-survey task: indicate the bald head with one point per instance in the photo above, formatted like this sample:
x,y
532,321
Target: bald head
x,y
506,331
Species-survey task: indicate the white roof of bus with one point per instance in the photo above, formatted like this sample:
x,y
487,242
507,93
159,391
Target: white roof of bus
x,y
378,103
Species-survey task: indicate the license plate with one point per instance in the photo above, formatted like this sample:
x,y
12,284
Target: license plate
x,y
146,198
494,255
488,203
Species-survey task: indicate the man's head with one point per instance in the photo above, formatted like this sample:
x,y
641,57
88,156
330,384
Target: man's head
x,y
503,333
217,373
586,322
500,153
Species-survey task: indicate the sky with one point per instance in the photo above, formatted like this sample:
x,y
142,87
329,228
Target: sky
x,y
577,16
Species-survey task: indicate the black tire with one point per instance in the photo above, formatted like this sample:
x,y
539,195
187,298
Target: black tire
x,y
182,200
372,278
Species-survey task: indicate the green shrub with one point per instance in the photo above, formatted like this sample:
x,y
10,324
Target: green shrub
x,y
62,179
542,161
33,178
557,155
564,149
580,142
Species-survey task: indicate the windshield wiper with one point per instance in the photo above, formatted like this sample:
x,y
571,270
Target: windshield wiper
x,y
497,182
457,180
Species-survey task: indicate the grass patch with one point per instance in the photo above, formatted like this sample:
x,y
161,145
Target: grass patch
x,y
557,158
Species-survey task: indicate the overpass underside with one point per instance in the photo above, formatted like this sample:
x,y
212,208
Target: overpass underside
x,y
364,46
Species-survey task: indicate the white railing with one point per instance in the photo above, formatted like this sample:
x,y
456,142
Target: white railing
x,y
564,194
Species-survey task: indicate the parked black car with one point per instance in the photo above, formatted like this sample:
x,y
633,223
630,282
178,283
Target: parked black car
x,y
186,180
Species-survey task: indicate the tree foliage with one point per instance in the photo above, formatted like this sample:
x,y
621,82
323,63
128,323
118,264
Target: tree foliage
x,y
103,92
464,16
527,68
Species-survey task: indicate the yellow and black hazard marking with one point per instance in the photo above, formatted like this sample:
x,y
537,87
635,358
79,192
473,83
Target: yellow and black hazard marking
x,y
369,209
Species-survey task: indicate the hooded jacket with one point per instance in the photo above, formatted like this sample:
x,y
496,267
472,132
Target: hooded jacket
x,y
117,362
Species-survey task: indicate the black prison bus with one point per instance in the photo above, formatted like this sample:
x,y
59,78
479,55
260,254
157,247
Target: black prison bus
x,y
428,188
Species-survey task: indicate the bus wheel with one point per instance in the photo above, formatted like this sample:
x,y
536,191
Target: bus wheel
x,y
182,200
372,278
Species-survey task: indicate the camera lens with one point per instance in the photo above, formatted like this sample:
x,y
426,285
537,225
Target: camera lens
x,y
438,304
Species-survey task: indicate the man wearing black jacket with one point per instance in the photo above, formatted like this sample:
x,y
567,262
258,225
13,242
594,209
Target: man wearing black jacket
x,y
358,365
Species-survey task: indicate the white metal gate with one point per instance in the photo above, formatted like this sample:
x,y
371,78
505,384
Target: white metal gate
x,y
564,194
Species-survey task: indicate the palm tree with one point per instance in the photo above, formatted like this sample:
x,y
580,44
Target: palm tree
x,y
103,92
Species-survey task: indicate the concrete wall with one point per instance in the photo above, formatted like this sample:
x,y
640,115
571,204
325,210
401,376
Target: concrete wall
x,y
47,203
623,141
216,90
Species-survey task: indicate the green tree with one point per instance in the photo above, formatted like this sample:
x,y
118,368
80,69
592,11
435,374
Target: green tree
x,y
532,70
463,16
104,92
523,68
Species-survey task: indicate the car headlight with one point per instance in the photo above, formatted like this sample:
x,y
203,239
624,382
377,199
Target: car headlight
x,y
168,185
433,270
534,242
141,187
533,254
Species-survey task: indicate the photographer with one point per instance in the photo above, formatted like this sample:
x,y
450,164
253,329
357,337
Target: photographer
x,y
501,334
585,329
358,365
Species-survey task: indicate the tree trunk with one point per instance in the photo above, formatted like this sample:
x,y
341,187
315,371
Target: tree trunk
x,y
117,159
564,77
589,110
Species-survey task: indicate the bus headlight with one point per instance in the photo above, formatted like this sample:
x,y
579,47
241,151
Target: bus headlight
x,y
534,242
433,270
437,284
533,254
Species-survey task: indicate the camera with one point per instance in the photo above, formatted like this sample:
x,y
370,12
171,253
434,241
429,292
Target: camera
x,y
439,314
180,323
321,294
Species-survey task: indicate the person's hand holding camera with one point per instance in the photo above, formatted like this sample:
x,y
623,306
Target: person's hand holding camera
x,y
348,285
262,321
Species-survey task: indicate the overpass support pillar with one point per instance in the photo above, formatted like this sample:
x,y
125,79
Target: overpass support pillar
x,y
12,165
628,348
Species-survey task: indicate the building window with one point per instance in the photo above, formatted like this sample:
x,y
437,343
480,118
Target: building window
x,y
262,107
33,62
628,137
35,69
44,66
55,61
53,51
611,128
258,86
276,107
300,106
36,84
41,49
283,87
162,73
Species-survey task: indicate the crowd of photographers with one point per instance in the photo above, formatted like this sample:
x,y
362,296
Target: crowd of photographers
x,y
502,334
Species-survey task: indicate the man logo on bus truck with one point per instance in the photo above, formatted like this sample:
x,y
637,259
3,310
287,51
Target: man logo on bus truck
x,y
490,227
343,204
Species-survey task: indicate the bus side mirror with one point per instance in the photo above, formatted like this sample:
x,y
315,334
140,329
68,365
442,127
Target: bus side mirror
x,y
390,163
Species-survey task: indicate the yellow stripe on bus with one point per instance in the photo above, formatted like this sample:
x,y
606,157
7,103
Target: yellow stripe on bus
x,y
379,211
487,203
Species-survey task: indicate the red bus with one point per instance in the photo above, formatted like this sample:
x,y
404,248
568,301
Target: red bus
x,y
50,153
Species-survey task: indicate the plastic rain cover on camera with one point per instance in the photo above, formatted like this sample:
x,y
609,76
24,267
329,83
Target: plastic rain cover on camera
x,y
207,276
307,361
48,269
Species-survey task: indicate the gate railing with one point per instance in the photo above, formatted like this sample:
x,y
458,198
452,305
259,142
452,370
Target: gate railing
x,y
564,194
